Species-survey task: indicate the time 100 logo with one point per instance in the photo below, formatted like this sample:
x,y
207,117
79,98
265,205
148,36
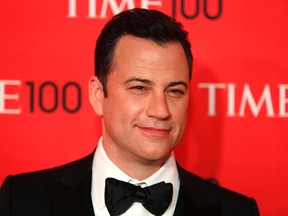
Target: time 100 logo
x,y
47,96
189,9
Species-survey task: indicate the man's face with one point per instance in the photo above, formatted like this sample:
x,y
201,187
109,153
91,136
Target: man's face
x,y
145,112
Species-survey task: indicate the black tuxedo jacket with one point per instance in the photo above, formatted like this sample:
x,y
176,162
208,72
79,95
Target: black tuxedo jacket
x,y
66,190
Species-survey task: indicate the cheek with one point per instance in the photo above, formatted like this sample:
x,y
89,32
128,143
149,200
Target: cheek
x,y
131,111
179,109
180,115
123,109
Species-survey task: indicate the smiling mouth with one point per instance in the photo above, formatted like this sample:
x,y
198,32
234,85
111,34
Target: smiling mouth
x,y
152,131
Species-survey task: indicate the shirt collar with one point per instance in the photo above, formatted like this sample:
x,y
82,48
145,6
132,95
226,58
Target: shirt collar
x,y
103,168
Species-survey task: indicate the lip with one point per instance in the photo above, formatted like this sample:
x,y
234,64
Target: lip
x,y
153,131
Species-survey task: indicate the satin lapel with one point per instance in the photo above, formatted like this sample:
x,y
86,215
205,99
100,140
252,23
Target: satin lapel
x,y
71,194
192,202
184,206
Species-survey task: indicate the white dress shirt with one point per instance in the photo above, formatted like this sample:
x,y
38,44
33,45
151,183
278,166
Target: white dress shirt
x,y
103,168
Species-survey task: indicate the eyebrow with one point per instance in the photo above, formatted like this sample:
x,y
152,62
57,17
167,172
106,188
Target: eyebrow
x,y
137,79
171,84
149,82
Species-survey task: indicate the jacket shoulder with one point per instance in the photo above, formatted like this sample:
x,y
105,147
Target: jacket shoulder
x,y
22,191
51,174
204,192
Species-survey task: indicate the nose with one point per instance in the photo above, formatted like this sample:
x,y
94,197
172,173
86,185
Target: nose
x,y
158,107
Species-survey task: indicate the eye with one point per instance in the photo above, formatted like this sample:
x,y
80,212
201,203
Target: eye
x,y
139,89
175,92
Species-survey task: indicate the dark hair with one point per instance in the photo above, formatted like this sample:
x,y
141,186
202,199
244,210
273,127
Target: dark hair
x,y
150,24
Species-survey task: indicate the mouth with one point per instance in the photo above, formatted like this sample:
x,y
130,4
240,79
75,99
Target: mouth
x,y
154,131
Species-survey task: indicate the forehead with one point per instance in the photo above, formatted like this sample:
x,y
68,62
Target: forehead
x,y
136,56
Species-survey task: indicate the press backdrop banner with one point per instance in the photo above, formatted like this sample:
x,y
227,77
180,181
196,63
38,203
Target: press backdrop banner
x,y
237,130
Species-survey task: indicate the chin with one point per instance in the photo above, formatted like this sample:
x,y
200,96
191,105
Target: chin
x,y
156,155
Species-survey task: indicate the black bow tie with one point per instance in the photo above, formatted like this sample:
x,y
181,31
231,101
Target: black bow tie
x,y
119,196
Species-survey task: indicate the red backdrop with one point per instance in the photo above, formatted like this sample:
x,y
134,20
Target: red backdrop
x,y
238,115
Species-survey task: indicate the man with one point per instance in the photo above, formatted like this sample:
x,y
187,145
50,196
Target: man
x,y
141,91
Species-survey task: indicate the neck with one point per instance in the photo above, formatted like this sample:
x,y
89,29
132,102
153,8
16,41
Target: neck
x,y
135,167
143,169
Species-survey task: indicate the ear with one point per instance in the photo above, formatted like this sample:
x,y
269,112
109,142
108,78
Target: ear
x,y
96,95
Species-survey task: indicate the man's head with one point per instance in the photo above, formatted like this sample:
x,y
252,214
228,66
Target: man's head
x,y
147,24
141,90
